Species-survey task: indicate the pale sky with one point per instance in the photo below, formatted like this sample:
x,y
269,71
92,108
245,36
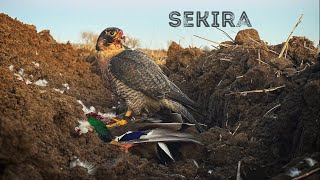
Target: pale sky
x,y
148,20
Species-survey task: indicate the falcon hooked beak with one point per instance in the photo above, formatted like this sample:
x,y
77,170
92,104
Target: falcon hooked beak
x,y
110,36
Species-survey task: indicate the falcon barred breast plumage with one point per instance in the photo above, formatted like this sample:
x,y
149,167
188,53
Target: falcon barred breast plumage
x,y
136,78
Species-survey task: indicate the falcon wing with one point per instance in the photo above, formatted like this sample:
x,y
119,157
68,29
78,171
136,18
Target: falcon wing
x,y
138,71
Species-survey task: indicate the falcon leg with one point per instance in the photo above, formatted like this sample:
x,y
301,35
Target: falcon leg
x,y
128,115
119,122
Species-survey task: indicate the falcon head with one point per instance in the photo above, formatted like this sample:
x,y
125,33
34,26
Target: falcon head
x,y
110,36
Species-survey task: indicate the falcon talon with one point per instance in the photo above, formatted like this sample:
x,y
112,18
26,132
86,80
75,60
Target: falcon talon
x,y
128,114
117,123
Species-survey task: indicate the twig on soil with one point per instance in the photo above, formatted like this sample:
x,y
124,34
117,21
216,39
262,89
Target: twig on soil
x,y
235,47
219,83
225,33
263,62
236,129
259,58
238,77
285,54
274,52
305,67
227,120
310,49
225,59
220,44
244,93
271,110
286,44
306,174
238,171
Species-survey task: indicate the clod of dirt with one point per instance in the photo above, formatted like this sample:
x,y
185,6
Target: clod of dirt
x,y
179,58
45,34
247,36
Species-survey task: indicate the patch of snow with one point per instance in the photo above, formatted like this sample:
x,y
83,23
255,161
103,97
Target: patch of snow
x,y
19,77
41,82
293,172
11,67
58,90
21,72
36,64
66,85
28,81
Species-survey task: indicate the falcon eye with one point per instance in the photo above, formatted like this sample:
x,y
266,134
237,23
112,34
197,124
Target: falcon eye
x,y
112,33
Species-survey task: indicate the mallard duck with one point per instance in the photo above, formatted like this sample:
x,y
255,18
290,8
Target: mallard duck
x,y
165,136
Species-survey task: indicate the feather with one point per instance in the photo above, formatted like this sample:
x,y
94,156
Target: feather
x,y
165,148
161,139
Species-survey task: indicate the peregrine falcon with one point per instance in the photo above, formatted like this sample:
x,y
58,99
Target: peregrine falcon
x,y
136,78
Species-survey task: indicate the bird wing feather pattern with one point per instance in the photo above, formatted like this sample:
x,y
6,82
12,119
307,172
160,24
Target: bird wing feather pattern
x,y
165,148
138,71
162,135
161,139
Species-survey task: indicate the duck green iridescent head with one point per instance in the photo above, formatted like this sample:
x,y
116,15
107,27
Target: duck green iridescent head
x,y
94,122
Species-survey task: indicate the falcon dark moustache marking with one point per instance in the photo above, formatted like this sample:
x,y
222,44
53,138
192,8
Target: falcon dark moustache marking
x,y
198,19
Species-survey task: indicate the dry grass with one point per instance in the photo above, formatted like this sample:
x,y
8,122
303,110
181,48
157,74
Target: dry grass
x,y
159,56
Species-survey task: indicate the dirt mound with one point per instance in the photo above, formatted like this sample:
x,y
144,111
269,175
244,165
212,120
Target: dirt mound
x,y
261,110
246,88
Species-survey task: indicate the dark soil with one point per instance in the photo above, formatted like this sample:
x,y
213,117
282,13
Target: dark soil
x,y
37,123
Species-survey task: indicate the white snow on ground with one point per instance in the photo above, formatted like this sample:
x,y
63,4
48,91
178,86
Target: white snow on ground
x,y
28,81
21,75
66,85
36,64
58,90
41,82
65,88
11,67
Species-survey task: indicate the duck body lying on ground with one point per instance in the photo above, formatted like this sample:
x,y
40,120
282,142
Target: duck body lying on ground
x,y
165,139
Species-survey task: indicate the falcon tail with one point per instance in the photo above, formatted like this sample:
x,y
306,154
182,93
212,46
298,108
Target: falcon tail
x,y
177,107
